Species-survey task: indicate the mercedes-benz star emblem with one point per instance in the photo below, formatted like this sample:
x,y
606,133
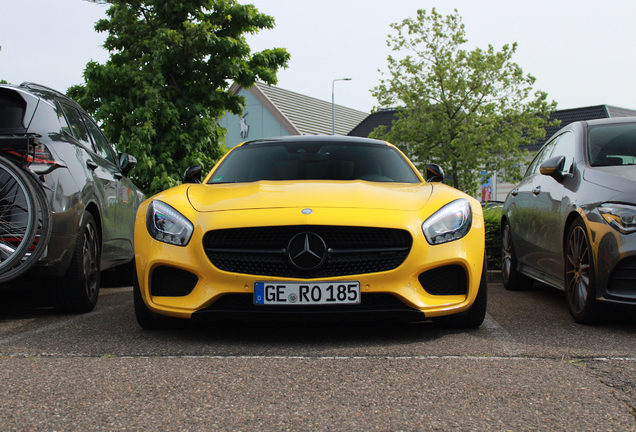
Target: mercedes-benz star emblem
x,y
307,251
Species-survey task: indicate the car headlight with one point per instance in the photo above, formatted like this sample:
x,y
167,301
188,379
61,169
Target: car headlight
x,y
621,217
168,225
449,223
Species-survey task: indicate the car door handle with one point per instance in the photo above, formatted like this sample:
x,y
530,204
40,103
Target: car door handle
x,y
536,190
91,165
515,192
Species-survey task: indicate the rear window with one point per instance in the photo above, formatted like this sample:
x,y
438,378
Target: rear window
x,y
12,108
314,161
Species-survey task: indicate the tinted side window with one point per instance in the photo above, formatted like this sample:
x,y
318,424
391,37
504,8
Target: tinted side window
x,y
565,147
77,125
63,123
543,155
102,145
12,108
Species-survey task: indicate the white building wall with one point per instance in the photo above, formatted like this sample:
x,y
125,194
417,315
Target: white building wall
x,y
260,123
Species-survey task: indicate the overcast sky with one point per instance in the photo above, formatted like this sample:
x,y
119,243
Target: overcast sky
x,y
581,51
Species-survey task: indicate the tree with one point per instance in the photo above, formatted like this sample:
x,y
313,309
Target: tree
x,y
460,109
166,84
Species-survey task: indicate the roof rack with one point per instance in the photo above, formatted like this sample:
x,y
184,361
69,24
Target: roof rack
x,y
42,87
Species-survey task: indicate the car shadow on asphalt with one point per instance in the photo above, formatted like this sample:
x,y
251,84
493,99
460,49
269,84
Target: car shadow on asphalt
x,y
616,316
25,298
379,332
29,297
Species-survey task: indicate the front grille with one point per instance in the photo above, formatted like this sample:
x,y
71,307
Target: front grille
x,y
622,281
172,282
350,250
447,280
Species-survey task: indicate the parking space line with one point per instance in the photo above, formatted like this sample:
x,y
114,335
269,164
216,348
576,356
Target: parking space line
x,y
509,344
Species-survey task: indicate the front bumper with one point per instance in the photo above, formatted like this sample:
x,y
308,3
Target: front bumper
x,y
374,306
615,262
222,294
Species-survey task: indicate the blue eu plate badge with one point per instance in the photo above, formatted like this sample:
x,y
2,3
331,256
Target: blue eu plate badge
x,y
259,293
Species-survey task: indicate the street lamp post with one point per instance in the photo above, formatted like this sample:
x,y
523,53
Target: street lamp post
x,y
333,105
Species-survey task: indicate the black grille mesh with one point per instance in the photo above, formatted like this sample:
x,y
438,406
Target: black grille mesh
x,y
623,277
447,280
262,250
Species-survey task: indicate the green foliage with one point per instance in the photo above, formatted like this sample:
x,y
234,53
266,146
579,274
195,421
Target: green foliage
x,y
166,84
3,82
492,220
460,109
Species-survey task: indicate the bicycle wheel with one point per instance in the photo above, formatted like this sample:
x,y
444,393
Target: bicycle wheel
x,y
18,215
42,234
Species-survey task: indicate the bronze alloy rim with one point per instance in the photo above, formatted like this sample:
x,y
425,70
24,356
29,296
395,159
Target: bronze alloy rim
x,y
506,254
577,269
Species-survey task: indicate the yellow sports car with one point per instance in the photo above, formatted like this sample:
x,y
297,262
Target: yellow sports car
x,y
308,227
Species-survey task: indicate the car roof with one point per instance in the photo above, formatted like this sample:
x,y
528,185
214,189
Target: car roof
x,y
42,92
613,120
334,139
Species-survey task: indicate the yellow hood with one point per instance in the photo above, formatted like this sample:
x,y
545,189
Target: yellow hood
x,y
311,194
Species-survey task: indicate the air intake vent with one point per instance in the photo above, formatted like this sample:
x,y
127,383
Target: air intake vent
x,y
447,280
623,278
172,282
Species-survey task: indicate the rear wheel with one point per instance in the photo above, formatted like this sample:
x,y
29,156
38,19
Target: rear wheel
x,y
475,316
512,279
77,291
18,216
580,285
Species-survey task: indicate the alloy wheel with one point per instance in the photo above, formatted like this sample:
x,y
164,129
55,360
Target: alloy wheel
x,y
506,254
577,269
90,256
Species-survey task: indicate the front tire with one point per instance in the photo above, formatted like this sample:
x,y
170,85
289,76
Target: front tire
x,y
475,316
146,319
512,279
77,291
580,284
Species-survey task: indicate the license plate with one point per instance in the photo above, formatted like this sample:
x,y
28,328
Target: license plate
x,y
303,293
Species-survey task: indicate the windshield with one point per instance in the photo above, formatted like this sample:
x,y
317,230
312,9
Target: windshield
x,y
614,144
314,161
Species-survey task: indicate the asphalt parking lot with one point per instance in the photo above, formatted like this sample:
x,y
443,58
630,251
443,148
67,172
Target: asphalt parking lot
x,y
528,367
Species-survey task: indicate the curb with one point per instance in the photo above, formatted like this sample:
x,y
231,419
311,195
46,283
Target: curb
x,y
494,276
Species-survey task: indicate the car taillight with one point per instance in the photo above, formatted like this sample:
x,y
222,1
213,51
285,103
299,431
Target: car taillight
x,y
43,161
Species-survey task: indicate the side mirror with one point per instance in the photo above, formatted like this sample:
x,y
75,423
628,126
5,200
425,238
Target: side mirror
x,y
126,162
434,173
193,174
553,167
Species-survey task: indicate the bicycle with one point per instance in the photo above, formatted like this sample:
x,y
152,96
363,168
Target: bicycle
x,y
25,215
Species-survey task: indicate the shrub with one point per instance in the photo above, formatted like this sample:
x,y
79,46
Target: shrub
x,y
492,220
